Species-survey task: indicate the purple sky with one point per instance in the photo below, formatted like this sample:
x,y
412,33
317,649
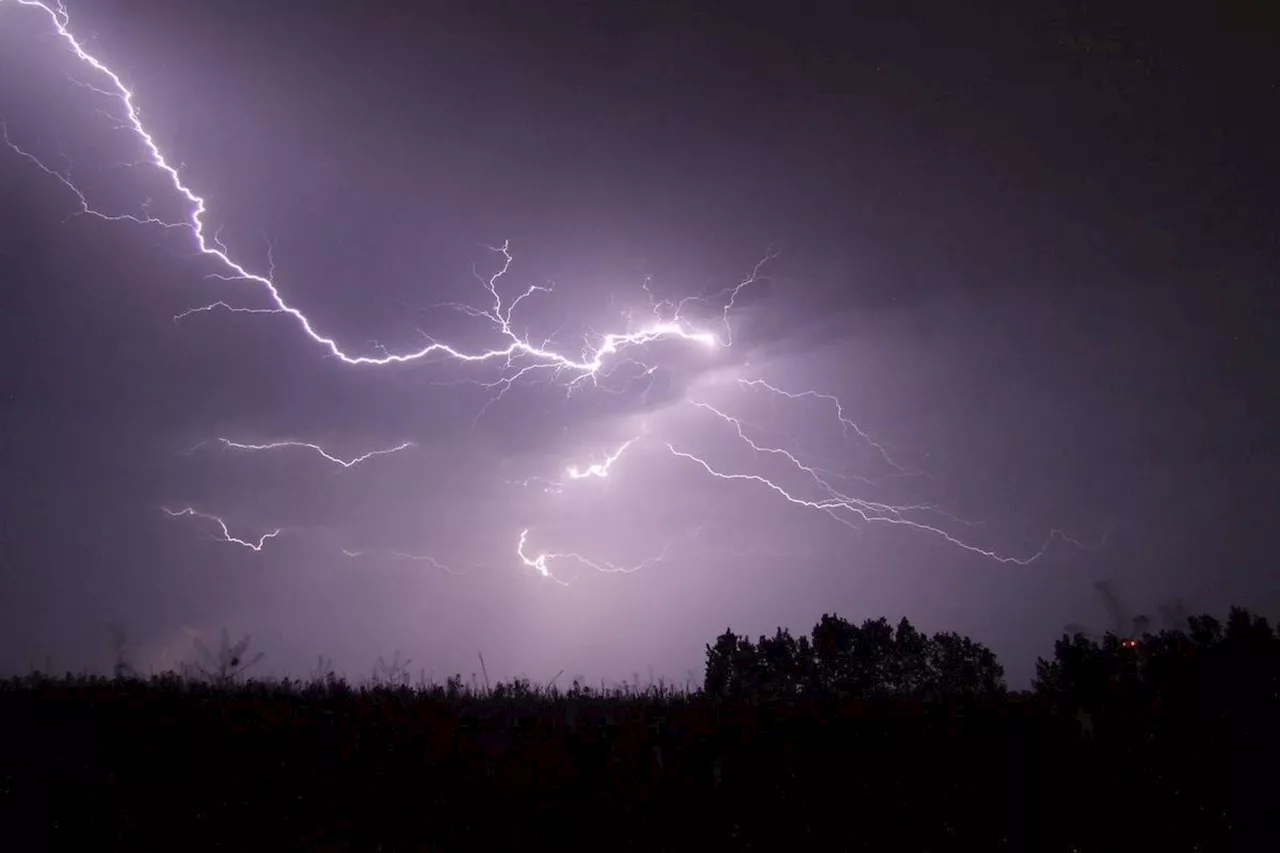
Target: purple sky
x,y
1034,256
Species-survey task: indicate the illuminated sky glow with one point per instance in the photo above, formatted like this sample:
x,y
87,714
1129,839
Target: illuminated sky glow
x,y
623,429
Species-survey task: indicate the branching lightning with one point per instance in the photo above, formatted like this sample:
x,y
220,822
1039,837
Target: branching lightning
x,y
222,526
596,470
541,563
845,423
844,508
599,469
345,463
515,355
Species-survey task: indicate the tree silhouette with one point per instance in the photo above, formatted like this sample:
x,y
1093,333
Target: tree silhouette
x,y
960,667
229,663
787,665
392,673
871,660
1235,666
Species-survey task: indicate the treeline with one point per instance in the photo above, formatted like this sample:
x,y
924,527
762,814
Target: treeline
x,y
1224,668
853,737
841,659
1210,663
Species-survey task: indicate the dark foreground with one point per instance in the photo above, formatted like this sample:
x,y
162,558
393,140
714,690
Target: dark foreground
x,y
174,765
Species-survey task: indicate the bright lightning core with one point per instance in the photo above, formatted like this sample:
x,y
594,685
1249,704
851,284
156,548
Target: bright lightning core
x,y
514,354
599,469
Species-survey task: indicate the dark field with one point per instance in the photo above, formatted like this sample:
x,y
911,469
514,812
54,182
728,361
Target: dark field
x,y
174,764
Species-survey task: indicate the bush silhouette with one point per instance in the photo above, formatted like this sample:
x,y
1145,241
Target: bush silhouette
x,y
842,738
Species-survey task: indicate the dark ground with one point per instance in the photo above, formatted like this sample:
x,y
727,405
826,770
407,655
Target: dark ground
x,y
181,765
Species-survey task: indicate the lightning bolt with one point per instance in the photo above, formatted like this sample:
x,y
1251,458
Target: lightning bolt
x,y
517,353
432,561
845,423
213,306
541,563
846,509
599,469
812,472
516,356
222,525
345,463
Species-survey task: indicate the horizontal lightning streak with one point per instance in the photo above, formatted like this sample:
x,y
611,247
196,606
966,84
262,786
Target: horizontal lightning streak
x,y
540,563
345,463
427,558
869,506
866,511
222,525
204,309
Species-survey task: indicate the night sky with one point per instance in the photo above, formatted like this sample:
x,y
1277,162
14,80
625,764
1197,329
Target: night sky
x,y
1031,248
